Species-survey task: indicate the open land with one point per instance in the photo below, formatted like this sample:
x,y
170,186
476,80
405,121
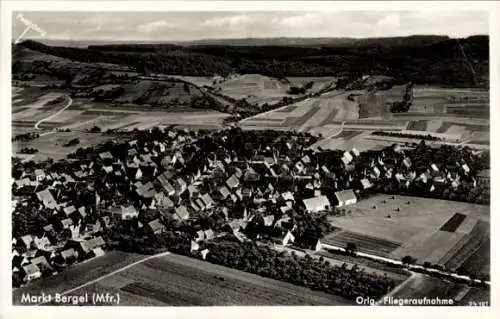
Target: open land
x,y
415,230
420,286
176,280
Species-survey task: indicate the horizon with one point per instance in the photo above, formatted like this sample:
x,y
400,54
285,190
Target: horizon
x,y
231,25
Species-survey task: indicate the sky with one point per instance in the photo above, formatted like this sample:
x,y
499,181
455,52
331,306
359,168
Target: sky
x,y
185,26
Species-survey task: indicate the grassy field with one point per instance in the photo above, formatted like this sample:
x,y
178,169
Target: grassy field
x,y
174,280
376,226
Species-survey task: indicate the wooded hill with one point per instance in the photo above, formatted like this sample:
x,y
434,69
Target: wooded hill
x,y
419,59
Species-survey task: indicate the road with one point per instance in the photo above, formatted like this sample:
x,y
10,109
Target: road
x,y
111,274
70,101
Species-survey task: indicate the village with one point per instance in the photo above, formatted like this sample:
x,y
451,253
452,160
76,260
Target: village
x,y
201,186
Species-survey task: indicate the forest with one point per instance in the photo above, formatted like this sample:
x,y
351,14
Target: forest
x,y
418,60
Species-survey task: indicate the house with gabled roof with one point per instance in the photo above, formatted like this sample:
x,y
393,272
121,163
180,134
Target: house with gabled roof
x,y
42,263
317,204
181,213
156,227
180,186
69,210
39,174
289,238
233,182
125,213
345,197
47,199
162,201
268,220
42,243
224,192
30,272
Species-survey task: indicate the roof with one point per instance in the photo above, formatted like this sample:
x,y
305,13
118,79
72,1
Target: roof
x,y
104,155
67,222
287,196
31,269
485,173
233,181
163,201
68,210
155,225
68,253
181,212
40,260
92,243
316,203
345,195
98,251
209,234
268,220
207,199
224,192
46,197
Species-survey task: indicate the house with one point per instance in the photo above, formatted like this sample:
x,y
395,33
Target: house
x,y
345,197
287,196
299,167
26,241
193,191
317,204
156,227
208,201
181,213
365,183
85,247
47,199
224,192
268,220
39,174
69,256
180,185
105,155
66,223
204,253
31,272
162,201
125,213
375,172
434,167
355,152
69,210
289,238
348,157
209,234
42,263
42,243
465,168
233,182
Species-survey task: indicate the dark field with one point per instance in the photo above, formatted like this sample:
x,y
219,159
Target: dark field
x,y
453,223
365,244
417,125
348,134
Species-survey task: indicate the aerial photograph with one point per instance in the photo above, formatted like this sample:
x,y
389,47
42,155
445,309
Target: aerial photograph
x,y
250,158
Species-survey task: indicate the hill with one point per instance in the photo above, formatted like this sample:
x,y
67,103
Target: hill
x,y
419,59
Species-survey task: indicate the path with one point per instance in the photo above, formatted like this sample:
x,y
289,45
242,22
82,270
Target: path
x,y
111,274
70,100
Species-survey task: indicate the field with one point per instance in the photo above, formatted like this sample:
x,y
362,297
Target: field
x,y
259,89
82,115
174,280
438,231
77,275
309,115
420,286
333,113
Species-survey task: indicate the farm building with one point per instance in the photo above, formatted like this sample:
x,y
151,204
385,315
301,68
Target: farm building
x,y
47,199
317,204
345,197
125,213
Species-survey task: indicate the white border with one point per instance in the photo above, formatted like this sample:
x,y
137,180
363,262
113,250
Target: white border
x,y
6,309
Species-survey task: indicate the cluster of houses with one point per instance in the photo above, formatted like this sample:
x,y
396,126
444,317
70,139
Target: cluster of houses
x,y
174,176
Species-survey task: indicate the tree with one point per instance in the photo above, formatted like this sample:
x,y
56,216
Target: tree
x,y
351,248
407,260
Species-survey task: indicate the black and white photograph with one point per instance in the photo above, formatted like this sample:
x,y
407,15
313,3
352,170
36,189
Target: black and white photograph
x,y
244,157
